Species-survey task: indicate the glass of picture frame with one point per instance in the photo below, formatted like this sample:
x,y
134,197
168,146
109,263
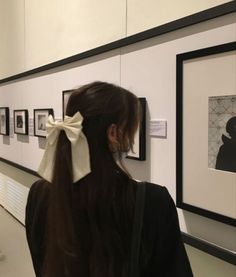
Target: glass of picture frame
x,y
4,121
21,122
40,119
206,125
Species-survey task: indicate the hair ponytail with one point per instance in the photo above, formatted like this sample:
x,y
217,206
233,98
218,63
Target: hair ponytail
x,y
60,231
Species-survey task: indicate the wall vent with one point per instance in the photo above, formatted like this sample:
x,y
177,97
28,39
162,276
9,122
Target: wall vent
x,y
13,197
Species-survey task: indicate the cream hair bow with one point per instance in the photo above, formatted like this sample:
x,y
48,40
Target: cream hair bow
x,y
79,147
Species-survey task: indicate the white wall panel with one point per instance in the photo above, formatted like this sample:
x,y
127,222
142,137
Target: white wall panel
x,y
58,29
143,15
11,37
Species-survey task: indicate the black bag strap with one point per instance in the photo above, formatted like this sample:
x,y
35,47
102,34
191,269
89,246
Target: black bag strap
x,y
137,229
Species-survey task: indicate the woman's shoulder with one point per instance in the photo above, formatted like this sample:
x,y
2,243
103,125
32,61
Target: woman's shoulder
x,y
153,191
40,187
37,204
157,198
39,192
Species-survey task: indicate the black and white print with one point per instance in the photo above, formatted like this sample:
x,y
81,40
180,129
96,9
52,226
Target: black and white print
x,y
222,133
40,120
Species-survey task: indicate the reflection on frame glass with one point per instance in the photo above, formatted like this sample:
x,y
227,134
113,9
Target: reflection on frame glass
x,y
206,132
65,97
40,119
21,122
140,137
4,121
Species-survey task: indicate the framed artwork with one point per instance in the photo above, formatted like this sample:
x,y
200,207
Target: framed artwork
x,y
40,119
65,97
4,121
206,132
21,122
140,137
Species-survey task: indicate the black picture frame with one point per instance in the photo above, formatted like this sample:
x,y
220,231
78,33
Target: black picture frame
x,y
4,121
141,133
181,60
21,123
40,131
65,97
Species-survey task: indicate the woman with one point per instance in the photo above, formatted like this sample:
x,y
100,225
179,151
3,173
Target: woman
x,y
79,218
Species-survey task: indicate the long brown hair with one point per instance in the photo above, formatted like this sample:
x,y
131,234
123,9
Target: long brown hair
x,y
89,223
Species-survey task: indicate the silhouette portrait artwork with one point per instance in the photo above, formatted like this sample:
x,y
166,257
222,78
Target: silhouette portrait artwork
x,y
226,158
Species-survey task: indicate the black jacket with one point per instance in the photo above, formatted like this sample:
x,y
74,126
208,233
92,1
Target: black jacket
x,y
165,255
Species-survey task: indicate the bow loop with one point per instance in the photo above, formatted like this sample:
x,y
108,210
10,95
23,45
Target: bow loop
x,y
72,126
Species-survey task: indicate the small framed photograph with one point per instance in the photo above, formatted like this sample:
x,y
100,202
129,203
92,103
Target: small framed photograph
x,y
21,122
65,97
140,137
40,119
4,121
206,132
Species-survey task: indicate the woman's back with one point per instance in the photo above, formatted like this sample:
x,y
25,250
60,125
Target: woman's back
x,y
162,250
80,221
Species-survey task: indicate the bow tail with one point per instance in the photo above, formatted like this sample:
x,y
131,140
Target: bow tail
x,y
46,166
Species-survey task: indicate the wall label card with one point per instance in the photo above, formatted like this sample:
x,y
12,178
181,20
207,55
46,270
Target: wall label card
x,y
31,127
12,127
158,128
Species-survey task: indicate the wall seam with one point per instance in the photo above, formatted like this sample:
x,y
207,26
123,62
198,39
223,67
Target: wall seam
x,y
120,66
126,19
24,38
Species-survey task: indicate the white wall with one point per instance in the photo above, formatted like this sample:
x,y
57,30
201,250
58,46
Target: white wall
x,y
35,33
12,37
58,30
143,15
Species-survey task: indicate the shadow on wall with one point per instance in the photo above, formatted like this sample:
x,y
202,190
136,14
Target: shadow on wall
x,y
6,140
42,143
141,170
23,138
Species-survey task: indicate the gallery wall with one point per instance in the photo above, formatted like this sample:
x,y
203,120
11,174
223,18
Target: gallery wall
x,y
36,33
148,69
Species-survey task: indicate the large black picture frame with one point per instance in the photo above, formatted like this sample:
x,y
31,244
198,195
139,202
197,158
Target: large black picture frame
x,y
180,146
